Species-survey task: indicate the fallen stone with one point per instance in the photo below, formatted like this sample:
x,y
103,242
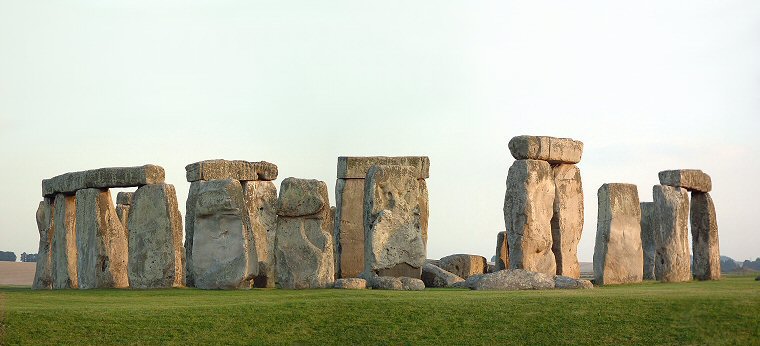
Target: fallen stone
x,y
502,251
567,222
156,255
103,178
411,284
528,210
261,203
690,179
43,276
226,169
704,236
672,258
385,283
101,241
435,276
358,167
351,284
349,227
565,282
491,268
302,197
648,229
125,198
544,148
511,280
434,262
64,247
618,257
463,265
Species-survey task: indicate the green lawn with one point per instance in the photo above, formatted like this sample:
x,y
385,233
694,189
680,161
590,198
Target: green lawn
x,y
720,312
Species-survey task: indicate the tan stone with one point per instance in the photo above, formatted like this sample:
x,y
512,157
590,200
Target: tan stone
x,y
567,222
230,169
103,178
64,264
424,209
690,179
358,167
618,256
464,265
502,251
122,211
435,276
544,148
349,228
648,229
43,276
261,204
301,197
704,236
672,260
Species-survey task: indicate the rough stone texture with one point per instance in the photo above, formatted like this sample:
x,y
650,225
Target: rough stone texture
x,y
424,209
528,210
223,255
64,247
351,284
672,260
156,255
567,222
565,282
411,284
261,204
704,236
510,280
103,178
303,245
551,149
464,265
349,227
435,276
125,198
122,212
690,179
491,268
358,167
192,199
618,257
101,241
393,234
648,229
234,169
43,276
385,283
502,251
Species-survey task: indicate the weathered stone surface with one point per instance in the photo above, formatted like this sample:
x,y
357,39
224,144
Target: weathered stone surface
x,y
393,235
544,148
648,229
435,276
502,251
411,284
351,284
122,212
303,245
491,268
690,179
223,255
125,198
383,282
510,280
349,227
704,236
230,169
672,260
358,167
192,199
464,265
261,204
424,209
43,276
156,255
103,178
565,282
567,222
64,247
101,241
618,257
528,210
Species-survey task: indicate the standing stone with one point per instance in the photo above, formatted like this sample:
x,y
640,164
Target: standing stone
x,y
43,278
567,222
424,209
690,179
64,264
393,234
464,266
101,241
156,256
223,256
192,199
123,202
303,240
672,260
502,251
648,229
528,210
349,228
618,257
551,149
704,236
261,205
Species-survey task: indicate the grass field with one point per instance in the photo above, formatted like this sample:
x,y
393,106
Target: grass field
x,y
721,312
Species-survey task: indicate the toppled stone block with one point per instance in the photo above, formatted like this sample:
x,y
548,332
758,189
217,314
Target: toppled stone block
x,y
567,222
411,284
672,260
544,148
43,276
358,167
125,198
618,257
704,236
261,203
351,284
565,282
64,246
648,230
464,265
435,276
502,252
103,178
230,169
402,283
690,179
510,280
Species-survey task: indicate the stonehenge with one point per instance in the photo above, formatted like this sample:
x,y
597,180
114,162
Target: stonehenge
x,y
648,245
464,266
502,251
43,275
672,262
123,203
704,236
618,257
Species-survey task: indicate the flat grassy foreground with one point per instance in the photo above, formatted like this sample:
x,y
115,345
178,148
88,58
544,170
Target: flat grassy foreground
x,y
722,312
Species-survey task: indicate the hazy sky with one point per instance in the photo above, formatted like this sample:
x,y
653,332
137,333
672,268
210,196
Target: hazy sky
x,y
646,85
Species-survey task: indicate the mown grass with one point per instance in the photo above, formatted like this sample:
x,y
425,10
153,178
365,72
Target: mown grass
x,y
720,312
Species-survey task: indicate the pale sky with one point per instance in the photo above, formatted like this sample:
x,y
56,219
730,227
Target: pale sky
x,y
646,85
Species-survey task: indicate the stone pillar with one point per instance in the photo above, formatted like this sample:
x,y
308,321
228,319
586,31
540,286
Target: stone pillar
x,y
261,204
464,265
43,277
704,236
648,229
156,256
64,248
672,261
618,256
567,221
502,251
123,202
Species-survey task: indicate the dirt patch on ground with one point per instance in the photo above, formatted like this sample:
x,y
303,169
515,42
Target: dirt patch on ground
x,y
17,273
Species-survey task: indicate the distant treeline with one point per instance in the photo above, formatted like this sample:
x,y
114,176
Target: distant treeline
x,y
728,265
10,256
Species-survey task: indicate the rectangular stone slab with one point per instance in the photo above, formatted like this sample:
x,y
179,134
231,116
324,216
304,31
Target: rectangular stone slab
x,y
230,169
544,148
43,276
648,229
101,178
704,237
672,260
690,179
502,251
618,257
356,167
567,222
64,246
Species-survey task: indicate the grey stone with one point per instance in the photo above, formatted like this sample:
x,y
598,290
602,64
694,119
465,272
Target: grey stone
x,y
491,268
704,236
648,229
302,197
565,282
567,222
618,256
434,262
103,178
192,199
64,247
125,198
544,148
357,167
528,210
122,212
672,260
435,276
43,276
411,284
230,169
349,227
502,251
464,265
385,283
690,179
511,280
422,199
156,255
261,203
351,284
101,241
223,255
